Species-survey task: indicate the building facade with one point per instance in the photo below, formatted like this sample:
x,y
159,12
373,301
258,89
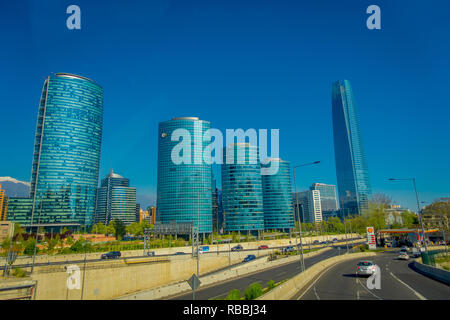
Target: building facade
x,y
328,199
19,210
311,209
184,187
277,201
351,165
66,155
242,196
3,204
115,200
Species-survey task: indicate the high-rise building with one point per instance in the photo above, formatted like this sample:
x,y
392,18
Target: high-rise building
x,y
215,206
310,206
138,212
115,200
184,188
242,197
277,191
328,199
351,165
66,155
3,204
19,210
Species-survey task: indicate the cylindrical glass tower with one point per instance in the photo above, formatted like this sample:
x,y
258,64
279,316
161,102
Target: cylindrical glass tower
x,y
184,189
242,198
66,156
277,195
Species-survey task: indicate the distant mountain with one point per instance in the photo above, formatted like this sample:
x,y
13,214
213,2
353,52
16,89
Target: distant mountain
x,y
15,188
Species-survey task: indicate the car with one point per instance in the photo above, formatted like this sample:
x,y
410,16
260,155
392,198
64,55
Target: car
x,y
316,242
334,240
403,250
263,246
365,268
237,248
416,253
205,248
248,258
403,256
288,249
151,253
179,253
111,255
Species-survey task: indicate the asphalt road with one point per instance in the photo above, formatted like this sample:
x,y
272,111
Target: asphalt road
x,y
398,282
276,274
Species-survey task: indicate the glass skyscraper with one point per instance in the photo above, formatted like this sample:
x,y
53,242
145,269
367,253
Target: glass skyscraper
x,y
242,196
277,198
184,187
67,151
351,165
115,200
328,199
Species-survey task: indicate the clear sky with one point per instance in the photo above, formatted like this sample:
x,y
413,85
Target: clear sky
x,y
240,64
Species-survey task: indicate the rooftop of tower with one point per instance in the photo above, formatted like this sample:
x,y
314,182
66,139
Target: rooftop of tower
x,y
70,75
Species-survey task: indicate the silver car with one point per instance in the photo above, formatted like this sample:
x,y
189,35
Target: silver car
x,y
403,256
365,268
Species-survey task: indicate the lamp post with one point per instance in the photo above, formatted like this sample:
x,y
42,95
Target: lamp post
x,y
418,207
302,261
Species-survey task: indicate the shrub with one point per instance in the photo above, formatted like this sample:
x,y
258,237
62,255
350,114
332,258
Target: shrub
x,y
270,284
234,294
253,291
18,272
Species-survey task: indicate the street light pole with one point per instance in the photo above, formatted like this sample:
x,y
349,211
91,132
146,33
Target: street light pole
x,y
302,260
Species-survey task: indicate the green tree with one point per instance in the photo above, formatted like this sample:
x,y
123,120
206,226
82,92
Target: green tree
x,y
135,229
253,291
29,247
271,284
234,294
69,241
119,228
18,230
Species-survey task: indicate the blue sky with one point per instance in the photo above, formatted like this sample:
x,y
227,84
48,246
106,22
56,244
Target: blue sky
x,y
240,64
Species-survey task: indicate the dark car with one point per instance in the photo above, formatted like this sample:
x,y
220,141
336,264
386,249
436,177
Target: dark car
x,y
263,247
111,255
316,242
237,248
288,249
335,240
179,253
151,253
250,257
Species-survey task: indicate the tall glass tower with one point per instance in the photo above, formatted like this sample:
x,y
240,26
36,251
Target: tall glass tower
x,y
66,155
277,196
351,165
242,196
184,189
115,200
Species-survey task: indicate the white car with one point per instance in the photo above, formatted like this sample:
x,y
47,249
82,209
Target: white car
x,y
365,268
403,256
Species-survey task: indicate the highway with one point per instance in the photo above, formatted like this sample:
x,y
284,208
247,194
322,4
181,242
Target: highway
x,y
398,282
81,260
276,274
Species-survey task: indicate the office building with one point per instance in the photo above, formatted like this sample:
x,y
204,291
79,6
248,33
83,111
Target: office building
x,y
3,204
184,188
242,196
277,202
66,152
115,200
311,209
6,230
351,165
19,211
328,199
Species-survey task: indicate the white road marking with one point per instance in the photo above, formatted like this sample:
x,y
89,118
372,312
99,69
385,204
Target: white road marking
x,y
357,294
369,291
421,297
315,292
313,284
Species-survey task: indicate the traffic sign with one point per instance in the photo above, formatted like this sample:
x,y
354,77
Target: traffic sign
x,y
194,282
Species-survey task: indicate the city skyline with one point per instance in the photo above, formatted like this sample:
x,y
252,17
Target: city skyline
x,y
228,74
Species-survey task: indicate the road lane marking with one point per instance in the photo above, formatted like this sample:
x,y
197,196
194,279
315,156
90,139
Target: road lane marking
x,y
315,292
313,284
421,297
369,290
357,294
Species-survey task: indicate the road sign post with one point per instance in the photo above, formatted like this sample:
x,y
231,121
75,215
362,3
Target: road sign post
x,y
194,283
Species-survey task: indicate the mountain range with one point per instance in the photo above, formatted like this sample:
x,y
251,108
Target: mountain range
x,y
14,187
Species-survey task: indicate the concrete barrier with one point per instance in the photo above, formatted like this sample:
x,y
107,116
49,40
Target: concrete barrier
x,y
288,289
432,272
214,279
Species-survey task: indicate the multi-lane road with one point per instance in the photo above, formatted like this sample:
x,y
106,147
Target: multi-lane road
x,y
398,282
283,272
